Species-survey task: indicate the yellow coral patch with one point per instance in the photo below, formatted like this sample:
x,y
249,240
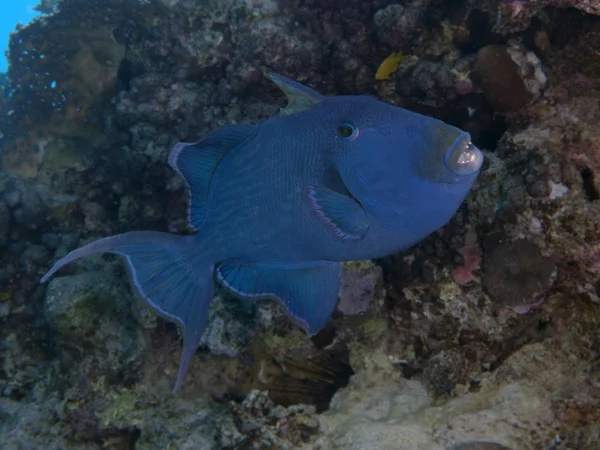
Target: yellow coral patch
x,y
389,66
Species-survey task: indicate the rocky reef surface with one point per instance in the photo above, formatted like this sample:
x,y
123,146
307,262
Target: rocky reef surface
x,y
484,336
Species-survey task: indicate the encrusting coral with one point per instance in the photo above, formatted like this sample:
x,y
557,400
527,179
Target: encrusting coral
x,y
485,335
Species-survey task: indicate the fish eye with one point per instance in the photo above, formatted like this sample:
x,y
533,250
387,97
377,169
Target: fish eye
x,y
464,159
347,131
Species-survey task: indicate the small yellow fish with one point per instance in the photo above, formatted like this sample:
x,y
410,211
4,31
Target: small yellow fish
x,y
389,66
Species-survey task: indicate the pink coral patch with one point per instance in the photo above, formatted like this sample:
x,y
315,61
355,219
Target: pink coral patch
x,y
464,275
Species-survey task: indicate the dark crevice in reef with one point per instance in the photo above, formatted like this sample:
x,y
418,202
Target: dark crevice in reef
x,y
312,382
125,74
480,32
474,114
591,193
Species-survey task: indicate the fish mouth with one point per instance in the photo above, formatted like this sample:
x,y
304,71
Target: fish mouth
x,y
463,157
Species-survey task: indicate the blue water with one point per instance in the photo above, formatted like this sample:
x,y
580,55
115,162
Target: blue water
x,y
12,12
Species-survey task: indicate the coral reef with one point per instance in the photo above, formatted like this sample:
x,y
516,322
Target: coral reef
x,y
258,423
509,77
516,15
483,336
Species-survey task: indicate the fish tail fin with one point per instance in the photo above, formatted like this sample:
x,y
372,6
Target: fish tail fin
x,y
163,271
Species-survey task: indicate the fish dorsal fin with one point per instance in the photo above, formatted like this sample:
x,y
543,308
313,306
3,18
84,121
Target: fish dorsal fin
x,y
342,214
196,163
300,97
309,294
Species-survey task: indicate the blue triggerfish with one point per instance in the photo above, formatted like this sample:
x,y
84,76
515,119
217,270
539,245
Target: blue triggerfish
x,y
278,205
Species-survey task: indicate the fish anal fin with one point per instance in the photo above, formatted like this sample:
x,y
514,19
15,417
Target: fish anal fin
x,y
196,163
309,294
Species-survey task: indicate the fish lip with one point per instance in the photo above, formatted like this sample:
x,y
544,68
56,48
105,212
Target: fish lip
x,y
463,158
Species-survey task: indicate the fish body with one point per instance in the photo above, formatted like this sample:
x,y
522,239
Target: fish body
x,y
261,213
278,205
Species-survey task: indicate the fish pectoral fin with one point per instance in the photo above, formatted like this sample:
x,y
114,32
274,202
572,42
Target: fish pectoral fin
x,y
300,97
196,163
342,214
309,294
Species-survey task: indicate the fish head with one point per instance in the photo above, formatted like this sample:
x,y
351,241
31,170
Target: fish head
x,y
398,163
